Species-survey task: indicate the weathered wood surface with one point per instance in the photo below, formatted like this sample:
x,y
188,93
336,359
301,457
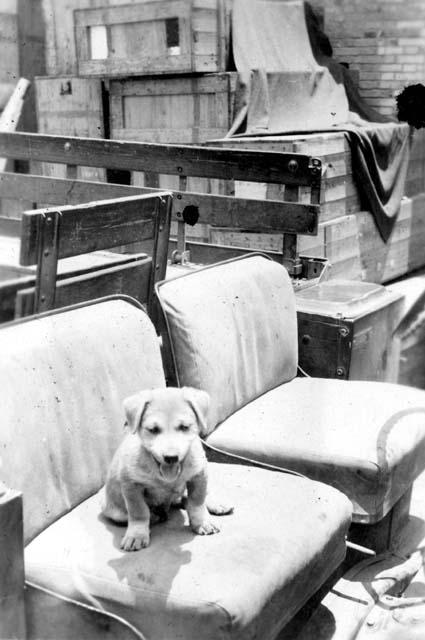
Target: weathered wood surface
x,y
264,166
182,110
10,116
50,234
71,106
93,226
12,620
167,36
131,279
256,215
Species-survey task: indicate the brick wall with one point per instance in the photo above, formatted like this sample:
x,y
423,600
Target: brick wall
x,y
382,40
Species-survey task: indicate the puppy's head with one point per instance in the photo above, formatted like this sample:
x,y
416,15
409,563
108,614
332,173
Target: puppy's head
x,y
167,421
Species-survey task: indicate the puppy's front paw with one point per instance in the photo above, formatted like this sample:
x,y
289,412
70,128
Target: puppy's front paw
x,y
135,539
205,528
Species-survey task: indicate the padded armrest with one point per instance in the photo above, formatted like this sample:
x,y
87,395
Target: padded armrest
x,y
12,616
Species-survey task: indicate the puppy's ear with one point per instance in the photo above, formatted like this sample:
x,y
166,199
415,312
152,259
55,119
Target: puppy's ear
x,y
134,408
199,401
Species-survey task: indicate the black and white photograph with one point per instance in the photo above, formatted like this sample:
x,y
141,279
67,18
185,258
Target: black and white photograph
x,y
212,319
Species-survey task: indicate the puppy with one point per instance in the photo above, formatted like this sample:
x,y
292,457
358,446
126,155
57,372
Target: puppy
x,y
160,462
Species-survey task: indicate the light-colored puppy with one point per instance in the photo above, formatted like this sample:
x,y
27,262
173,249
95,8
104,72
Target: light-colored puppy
x,y
160,462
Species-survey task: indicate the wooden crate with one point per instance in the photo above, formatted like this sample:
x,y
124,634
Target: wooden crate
x,y
383,261
70,106
179,110
416,257
338,192
337,241
148,38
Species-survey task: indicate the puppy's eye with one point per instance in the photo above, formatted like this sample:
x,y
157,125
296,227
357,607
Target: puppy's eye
x,y
183,427
154,430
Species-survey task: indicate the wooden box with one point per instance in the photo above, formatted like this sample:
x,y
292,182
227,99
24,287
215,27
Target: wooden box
x,y
172,110
345,330
70,106
148,38
179,110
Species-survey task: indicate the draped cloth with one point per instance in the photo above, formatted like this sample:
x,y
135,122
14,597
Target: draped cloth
x,y
288,82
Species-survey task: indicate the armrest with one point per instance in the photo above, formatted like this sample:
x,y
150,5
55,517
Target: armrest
x,y
12,612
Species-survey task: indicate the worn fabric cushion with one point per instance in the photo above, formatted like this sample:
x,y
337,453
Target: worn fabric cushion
x,y
284,539
365,438
63,378
233,330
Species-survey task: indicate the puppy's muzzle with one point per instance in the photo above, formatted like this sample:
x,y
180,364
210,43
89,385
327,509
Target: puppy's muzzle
x,y
170,468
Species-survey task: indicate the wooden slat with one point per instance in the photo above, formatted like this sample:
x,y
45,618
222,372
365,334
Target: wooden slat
x,y
12,620
10,227
221,211
209,162
203,253
131,279
93,226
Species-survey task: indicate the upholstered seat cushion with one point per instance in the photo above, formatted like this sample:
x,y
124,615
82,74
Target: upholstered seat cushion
x,y
284,539
365,438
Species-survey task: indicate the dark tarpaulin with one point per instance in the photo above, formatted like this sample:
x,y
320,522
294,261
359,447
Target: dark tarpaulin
x,y
289,83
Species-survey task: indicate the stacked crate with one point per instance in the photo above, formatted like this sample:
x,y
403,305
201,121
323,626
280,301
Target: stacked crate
x,y
151,71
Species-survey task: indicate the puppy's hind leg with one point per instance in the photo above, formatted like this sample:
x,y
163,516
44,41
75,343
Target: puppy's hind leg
x,y
218,507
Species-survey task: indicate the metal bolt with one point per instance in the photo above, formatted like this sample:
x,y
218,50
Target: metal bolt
x,y
42,298
180,169
343,332
179,214
46,252
179,196
67,146
340,371
48,220
157,267
293,166
161,227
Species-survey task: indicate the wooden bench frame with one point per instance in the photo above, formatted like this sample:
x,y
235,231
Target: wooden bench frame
x,y
48,235
288,217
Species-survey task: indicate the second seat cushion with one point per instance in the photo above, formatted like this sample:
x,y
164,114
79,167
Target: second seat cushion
x,y
365,438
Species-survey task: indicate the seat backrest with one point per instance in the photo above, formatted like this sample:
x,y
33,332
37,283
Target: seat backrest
x,y
47,235
232,329
63,378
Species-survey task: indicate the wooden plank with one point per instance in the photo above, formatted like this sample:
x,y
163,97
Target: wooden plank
x,y
138,43
12,620
131,279
264,166
383,261
10,227
10,116
70,106
179,110
203,253
220,211
93,226
416,258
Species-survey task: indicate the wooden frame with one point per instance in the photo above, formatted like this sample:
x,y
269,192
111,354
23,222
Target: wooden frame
x,y
289,217
185,110
48,235
198,46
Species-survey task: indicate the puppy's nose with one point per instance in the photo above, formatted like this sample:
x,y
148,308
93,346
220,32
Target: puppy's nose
x,y
171,459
